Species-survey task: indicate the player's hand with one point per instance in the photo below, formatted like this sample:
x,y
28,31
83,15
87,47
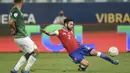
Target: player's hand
x,y
13,32
42,30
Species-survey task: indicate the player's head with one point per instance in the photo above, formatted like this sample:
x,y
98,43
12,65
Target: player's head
x,y
68,23
18,2
61,13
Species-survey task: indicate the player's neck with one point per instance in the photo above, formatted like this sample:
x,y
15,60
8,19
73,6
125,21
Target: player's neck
x,y
64,28
18,6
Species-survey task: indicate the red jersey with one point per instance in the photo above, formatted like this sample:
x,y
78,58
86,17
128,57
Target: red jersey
x,y
68,40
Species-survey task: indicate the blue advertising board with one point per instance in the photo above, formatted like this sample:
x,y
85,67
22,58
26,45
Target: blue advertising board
x,y
80,12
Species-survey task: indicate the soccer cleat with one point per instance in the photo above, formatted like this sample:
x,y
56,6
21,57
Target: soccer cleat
x,y
13,71
116,62
81,68
22,71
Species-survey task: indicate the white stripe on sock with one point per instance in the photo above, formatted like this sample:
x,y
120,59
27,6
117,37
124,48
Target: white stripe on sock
x,y
98,54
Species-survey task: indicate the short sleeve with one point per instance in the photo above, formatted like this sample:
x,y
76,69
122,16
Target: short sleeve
x,y
14,14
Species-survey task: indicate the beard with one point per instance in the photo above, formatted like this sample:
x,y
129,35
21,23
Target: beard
x,y
69,29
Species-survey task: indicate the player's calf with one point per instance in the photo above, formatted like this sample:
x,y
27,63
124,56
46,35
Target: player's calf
x,y
103,56
31,60
82,68
83,65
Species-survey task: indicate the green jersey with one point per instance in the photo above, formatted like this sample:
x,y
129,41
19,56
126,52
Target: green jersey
x,y
17,16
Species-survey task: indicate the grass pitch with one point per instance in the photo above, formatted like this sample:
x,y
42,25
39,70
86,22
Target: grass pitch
x,y
62,63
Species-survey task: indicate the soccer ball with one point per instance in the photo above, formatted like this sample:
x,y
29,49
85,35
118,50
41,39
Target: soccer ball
x,y
113,51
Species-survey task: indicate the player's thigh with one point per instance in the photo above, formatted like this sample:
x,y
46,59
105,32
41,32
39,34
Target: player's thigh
x,y
88,51
26,45
76,57
19,42
29,45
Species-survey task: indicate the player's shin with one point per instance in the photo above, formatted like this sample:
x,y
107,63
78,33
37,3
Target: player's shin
x,y
83,65
20,63
31,61
103,56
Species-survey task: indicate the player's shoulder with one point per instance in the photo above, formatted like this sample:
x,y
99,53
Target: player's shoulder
x,y
14,9
61,30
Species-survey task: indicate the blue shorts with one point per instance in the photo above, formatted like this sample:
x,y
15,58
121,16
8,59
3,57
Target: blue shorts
x,y
78,55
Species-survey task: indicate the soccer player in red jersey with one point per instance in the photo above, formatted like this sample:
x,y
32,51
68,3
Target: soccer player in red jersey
x,y
76,50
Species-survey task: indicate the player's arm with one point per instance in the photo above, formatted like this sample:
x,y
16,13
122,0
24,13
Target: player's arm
x,y
12,25
13,17
55,33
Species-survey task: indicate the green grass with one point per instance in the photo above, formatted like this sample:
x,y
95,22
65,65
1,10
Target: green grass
x,y
61,63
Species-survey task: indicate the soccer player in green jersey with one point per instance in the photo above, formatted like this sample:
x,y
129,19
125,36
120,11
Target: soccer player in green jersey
x,y
21,39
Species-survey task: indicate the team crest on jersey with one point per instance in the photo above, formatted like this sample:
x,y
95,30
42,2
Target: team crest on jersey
x,y
64,33
15,14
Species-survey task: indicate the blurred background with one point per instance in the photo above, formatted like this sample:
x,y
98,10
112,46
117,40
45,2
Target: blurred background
x,y
98,23
64,1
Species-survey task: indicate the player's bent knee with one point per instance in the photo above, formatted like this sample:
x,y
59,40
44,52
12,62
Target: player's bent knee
x,y
93,53
27,55
36,52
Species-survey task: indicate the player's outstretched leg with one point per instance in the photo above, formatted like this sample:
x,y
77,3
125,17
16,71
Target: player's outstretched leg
x,y
103,56
83,65
21,61
30,62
